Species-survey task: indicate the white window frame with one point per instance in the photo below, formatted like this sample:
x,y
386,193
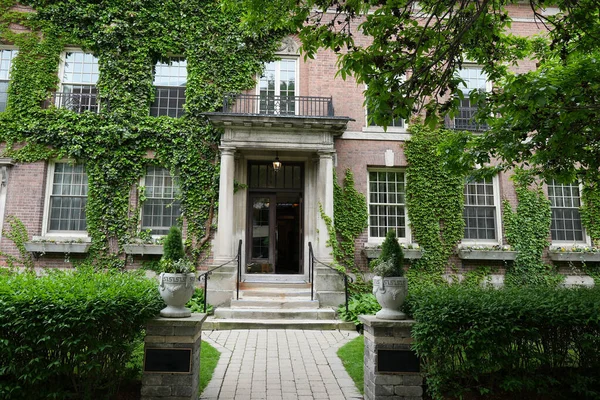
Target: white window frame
x,y
465,88
61,70
141,216
61,75
46,216
379,129
157,87
587,241
498,219
296,60
9,48
378,240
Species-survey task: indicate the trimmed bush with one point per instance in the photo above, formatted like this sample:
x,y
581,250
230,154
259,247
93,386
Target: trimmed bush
x,y
391,259
173,245
525,341
70,334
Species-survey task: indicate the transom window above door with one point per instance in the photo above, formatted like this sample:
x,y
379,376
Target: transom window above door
x,y
263,176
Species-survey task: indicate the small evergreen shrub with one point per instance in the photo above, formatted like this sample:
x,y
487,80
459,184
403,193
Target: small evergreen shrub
x,y
173,245
520,342
391,259
71,334
174,259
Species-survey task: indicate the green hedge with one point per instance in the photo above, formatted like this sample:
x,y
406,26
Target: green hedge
x,y
70,334
530,341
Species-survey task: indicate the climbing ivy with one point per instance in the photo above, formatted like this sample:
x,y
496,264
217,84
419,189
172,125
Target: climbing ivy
x,y
350,215
129,38
527,230
590,210
434,198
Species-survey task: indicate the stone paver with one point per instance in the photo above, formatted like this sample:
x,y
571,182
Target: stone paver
x,y
279,364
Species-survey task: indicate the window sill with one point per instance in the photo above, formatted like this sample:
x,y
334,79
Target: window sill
x,y
409,254
575,256
490,255
143,249
57,247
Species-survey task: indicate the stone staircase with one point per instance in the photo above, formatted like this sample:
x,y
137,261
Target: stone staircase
x,y
275,305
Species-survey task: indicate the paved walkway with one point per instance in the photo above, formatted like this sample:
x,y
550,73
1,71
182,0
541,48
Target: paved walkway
x,y
279,364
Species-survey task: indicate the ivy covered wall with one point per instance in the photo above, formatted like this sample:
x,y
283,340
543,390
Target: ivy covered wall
x,y
128,38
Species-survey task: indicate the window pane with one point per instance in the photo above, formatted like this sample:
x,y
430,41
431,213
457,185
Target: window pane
x,y
386,203
68,198
479,210
566,220
160,210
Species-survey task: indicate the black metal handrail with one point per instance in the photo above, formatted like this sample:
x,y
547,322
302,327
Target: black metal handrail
x,y
307,106
311,272
76,102
205,275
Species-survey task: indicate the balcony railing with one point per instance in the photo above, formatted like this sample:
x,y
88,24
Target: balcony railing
x,y
301,106
465,120
76,102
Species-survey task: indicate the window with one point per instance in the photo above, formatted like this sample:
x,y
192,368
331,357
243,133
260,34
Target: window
x,y
170,80
480,212
397,124
387,204
68,197
566,221
474,79
80,74
6,57
277,88
160,210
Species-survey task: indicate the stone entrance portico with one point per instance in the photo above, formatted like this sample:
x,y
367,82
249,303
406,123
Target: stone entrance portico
x,y
307,141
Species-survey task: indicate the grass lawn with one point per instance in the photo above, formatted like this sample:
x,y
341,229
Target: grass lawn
x,y
352,356
209,356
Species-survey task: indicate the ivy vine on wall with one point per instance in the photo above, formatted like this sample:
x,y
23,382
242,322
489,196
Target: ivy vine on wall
x,y
527,230
590,210
434,198
350,220
129,38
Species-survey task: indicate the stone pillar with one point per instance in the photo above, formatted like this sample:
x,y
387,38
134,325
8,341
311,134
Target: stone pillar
x,y
172,358
225,245
391,368
325,200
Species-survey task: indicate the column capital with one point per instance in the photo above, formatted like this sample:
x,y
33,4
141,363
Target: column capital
x,y
227,150
325,153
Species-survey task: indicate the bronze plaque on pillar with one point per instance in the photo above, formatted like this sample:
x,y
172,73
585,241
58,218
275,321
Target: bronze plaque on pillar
x,y
168,360
404,361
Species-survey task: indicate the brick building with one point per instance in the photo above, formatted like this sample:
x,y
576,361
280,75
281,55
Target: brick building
x,y
299,114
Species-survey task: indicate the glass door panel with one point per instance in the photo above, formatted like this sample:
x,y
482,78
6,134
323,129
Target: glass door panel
x,y
261,234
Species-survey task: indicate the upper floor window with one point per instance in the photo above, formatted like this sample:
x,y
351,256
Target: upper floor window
x,y
78,82
277,87
480,211
387,204
170,80
566,221
67,198
397,124
474,79
161,207
6,57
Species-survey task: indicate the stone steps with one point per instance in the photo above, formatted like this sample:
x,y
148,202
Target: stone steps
x,y
212,323
275,305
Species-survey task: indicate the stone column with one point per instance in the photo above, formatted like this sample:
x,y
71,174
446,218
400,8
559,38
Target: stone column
x,y
172,358
391,367
224,242
325,200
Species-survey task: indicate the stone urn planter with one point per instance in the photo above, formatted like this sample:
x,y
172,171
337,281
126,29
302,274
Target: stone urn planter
x,y
390,293
176,289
